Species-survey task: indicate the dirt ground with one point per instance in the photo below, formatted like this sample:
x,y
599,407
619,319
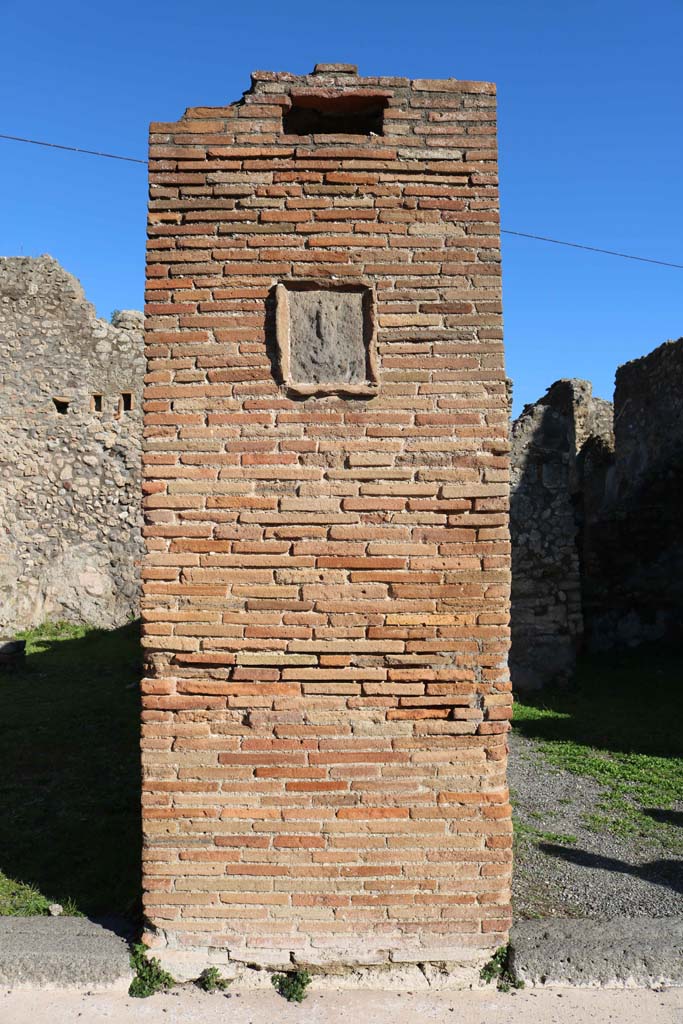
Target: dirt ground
x,y
542,1006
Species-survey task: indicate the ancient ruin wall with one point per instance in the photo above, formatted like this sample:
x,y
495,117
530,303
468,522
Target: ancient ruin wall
x,y
70,541
596,527
633,580
549,441
648,421
327,571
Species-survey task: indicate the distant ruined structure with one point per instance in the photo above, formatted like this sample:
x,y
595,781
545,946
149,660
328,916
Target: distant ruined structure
x,y
633,538
547,617
70,437
595,518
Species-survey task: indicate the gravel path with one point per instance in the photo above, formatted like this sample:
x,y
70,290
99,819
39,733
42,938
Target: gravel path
x,y
599,875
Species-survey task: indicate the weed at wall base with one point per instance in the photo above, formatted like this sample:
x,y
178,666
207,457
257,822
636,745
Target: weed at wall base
x,y
292,986
211,980
498,970
150,977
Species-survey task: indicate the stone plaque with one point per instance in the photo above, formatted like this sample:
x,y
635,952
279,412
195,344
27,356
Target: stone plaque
x,y
326,338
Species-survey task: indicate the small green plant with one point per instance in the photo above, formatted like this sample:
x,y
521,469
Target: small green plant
x,y
292,986
150,977
210,980
498,970
70,908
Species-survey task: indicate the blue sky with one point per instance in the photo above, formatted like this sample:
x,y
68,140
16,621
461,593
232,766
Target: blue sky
x,y
590,141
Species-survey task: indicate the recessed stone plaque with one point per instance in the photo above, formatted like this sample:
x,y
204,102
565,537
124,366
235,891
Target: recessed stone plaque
x,y
326,338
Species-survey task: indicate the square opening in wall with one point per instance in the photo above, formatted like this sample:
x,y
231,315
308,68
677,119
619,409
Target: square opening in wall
x,y
326,338
125,402
96,403
61,405
349,113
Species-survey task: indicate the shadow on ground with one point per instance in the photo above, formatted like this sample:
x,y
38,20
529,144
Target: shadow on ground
x,y
667,817
70,770
665,872
626,702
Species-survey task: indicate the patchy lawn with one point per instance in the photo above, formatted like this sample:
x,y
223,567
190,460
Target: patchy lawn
x,y
597,778
70,774
619,724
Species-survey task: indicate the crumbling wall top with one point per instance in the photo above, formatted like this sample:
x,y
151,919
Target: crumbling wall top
x,y
281,89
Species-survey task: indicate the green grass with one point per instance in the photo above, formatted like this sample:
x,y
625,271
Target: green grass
x,y
69,773
619,724
17,899
523,831
21,900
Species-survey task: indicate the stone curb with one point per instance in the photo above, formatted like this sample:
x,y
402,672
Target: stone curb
x,y
62,952
624,952
40,952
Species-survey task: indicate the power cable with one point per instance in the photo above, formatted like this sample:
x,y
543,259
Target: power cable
x,y
504,231
74,149
592,248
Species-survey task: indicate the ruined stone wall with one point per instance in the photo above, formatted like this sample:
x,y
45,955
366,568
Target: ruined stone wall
x,y
633,579
69,475
327,571
595,520
648,422
548,439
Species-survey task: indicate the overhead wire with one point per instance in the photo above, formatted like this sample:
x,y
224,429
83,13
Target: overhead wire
x,y
592,248
504,231
74,149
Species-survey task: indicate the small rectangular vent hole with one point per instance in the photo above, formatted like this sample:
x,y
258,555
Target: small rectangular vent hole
x,y
61,405
96,403
335,115
125,402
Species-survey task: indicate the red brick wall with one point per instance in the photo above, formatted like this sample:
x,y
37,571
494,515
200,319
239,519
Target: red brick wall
x,y
326,583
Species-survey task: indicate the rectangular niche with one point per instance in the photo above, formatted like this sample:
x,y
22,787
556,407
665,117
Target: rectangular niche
x,y
346,113
326,338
